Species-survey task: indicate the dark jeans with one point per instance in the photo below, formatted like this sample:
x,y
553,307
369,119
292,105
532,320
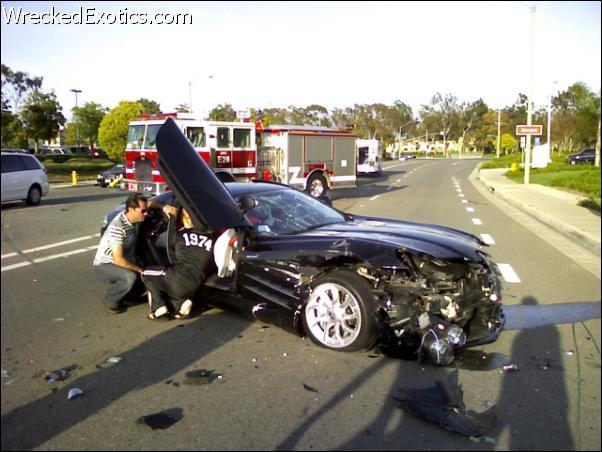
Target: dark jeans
x,y
172,289
120,281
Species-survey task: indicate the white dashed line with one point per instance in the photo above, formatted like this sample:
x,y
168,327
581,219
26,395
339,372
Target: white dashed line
x,y
41,248
487,239
508,273
476,221
461,195
47,258
469,209
464,201
374,197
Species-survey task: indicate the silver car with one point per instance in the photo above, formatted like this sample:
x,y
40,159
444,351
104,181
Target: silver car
x,y
23,178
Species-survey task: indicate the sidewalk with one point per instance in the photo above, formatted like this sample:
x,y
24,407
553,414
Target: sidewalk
x,y
554,208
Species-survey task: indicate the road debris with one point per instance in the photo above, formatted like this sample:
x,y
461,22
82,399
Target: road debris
x,y
443,404
509,368
73,393
161,420
60,374
201,377
309,388
111,361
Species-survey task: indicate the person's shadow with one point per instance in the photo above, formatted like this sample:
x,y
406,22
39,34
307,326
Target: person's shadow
x,y
533,401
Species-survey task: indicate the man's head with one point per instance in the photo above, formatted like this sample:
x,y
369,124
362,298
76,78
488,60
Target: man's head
x,y
136,208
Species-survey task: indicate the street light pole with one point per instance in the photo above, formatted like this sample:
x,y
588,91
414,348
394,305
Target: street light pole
x,y
77,91
550,121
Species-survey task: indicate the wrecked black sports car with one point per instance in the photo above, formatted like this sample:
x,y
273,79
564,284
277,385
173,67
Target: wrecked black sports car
x,y
346,281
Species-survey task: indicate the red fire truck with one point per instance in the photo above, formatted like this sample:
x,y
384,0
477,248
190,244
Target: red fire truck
x,y
228,147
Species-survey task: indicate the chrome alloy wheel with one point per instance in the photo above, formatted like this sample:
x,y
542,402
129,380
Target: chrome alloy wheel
x,y
333,315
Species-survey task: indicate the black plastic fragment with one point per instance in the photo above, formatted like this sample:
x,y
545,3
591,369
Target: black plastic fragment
x,y
200,377
60,374
443,405
309,388
161,420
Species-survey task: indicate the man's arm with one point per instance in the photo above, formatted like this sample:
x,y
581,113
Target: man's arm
x,y
168,209
120,260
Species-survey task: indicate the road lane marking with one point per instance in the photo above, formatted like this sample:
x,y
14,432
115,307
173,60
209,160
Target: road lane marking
x,y
374,197
508,273
46,247
461,195
47,258
464,201
487,239
469,209
476,221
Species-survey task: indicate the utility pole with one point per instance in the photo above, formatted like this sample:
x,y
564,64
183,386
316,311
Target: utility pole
x,y
530,99
76,91
499,125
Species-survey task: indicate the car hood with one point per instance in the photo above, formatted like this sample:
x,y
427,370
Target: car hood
x,y
195,185
437,241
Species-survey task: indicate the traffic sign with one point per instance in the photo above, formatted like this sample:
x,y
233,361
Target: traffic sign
x,y
529,130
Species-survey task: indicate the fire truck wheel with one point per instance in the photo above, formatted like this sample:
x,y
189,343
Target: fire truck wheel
x,y
316,185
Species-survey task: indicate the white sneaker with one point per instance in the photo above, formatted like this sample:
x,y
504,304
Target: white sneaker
x,y
186,308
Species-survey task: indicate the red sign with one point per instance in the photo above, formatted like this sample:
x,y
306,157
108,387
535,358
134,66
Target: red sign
x,y
529,130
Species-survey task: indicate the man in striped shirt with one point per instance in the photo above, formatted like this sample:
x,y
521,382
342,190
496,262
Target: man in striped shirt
x,y
115,262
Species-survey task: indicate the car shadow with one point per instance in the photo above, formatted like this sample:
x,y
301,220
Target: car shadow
x,y
150,363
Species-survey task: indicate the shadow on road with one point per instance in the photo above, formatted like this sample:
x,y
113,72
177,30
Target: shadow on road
x,y
152,362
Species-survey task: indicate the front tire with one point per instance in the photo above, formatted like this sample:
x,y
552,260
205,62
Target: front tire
x,y
34,196
340,313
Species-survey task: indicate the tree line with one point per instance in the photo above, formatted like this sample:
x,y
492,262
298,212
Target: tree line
x,y
31,116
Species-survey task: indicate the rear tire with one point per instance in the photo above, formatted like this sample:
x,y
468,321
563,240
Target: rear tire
x,y
34,196
340,313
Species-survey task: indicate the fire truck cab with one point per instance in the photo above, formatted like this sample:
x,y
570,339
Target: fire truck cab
x,y
310,158
228,147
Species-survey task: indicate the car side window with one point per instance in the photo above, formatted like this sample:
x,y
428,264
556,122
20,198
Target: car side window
x,y
30,163
12,163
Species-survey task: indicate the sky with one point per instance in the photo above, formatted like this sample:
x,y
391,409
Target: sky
x,y
272,54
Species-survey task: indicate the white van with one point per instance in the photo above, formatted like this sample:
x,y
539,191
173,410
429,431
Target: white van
x,y
23,177
369,156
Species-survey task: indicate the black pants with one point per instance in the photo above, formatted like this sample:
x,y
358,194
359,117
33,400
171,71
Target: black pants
x,y
172,288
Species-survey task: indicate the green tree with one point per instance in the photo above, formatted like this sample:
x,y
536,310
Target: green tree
x,y
470,117
183,108
42,117
16,87
87,120
442,116
13,135
508,143
149,106
575,118
223,112
113,130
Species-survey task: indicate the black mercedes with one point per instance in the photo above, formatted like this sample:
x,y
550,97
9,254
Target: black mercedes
x,y
346,281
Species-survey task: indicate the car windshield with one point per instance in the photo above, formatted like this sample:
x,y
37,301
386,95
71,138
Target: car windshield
x,y
285,212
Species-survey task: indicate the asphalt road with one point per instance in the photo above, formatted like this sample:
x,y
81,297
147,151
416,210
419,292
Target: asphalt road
x,y
52,317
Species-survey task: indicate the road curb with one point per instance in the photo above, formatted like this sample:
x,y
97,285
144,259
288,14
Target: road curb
x,y
559,226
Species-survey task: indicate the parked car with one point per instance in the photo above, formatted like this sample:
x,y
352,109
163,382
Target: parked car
x,y
113,173
586,156
23,177
346,281
80,150
54,151
406,156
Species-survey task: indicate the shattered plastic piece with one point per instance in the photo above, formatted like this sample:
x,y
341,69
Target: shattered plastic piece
x,y
510,368
254,360
570,352
114,359
285,354
443,404
309,388
73,393
544,366
200,377
109,362
161,420
5,374
60,374
58,319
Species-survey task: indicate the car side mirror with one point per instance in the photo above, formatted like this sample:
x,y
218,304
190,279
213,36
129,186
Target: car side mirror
x,y
247,203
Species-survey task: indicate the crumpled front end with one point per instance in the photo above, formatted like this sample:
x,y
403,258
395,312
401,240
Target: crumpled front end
x,y
432,306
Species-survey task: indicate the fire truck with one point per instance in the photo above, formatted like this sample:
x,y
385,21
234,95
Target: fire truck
x,y
228,147
310,158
